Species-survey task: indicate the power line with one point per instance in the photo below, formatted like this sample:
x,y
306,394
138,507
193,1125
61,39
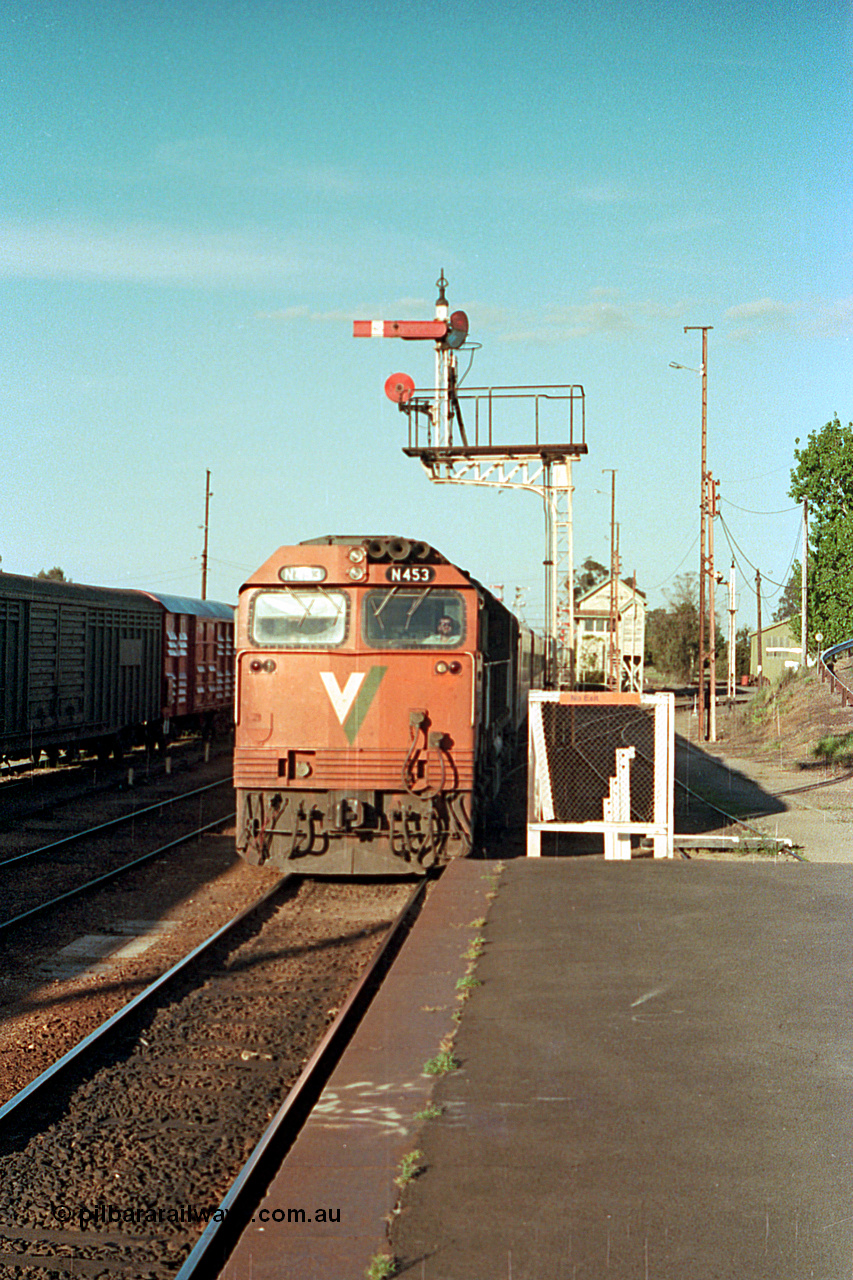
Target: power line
x,y
781,512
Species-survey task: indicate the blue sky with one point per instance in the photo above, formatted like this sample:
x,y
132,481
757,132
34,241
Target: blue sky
x,y
198,198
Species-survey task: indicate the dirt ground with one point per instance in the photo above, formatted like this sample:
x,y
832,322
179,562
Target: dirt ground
x,y
763,775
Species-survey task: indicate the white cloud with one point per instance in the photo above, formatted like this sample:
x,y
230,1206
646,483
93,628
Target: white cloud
x,y
815,317
153,253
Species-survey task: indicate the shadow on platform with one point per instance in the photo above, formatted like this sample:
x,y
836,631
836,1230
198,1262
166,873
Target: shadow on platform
x,y
711,796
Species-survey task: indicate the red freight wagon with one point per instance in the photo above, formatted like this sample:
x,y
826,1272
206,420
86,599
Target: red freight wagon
x,y
197,662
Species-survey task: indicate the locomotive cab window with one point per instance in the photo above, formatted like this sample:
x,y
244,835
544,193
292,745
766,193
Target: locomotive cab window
x,y
304,619
413,618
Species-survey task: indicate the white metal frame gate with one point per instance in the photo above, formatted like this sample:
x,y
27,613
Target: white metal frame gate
x,y
607,754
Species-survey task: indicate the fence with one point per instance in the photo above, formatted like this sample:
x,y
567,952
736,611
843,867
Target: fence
x,y
602,762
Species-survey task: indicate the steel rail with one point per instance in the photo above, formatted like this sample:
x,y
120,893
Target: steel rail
x,y
46,1082
111,875
113,822
219,1238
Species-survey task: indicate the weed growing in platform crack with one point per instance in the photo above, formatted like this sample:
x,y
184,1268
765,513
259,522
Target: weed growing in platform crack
x,y
431,1111
382,1267
441,1064
475,949
466,985
410,1167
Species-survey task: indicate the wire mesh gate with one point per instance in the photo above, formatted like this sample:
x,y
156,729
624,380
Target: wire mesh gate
x,y
602,762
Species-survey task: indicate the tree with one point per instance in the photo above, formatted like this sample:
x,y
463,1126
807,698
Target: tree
x,y
792,595
824,475
588,576
52,575
672,635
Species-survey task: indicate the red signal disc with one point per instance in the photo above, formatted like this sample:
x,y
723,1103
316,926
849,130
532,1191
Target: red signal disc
x,y
399,388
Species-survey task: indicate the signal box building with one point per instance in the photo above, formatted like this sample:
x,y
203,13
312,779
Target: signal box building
x,y
593,629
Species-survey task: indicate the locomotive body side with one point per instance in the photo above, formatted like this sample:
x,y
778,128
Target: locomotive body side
x,y
371,716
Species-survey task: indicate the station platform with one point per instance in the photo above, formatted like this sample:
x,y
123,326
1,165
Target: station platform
x,y
655,1083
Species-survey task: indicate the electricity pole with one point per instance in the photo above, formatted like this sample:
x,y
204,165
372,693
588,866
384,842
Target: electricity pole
x,y
804,577
206,524
612,660
703,520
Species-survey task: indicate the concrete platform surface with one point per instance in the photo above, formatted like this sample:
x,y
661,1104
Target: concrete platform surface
x,y
656,1081
325,1214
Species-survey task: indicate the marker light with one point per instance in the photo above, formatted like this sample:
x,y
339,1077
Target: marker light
x,y
441,668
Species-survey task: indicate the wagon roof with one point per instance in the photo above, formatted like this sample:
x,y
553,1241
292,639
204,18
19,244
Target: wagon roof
x,y
196,608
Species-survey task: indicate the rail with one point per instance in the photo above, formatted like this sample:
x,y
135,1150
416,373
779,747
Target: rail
x,y
826,667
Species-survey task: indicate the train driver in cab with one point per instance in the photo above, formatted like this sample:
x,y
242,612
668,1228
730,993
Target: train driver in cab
x,y
446,632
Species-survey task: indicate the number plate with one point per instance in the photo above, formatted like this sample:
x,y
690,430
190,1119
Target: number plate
x,y
409,573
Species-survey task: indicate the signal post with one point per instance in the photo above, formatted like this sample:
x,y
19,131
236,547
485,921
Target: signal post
x,y
483,452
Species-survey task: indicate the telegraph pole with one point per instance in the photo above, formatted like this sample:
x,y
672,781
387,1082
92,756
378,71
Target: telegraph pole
x,y
703,519
732,633
712,612
612,669
758,618
804,577
206,526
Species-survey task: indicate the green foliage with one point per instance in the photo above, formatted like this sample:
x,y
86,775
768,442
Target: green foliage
x,y
835,749
52,575
824,475
672,634
791,597
382,1267
588,576
410,1166
441,1064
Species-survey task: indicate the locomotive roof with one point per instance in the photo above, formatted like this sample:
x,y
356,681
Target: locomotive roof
x,y
362,539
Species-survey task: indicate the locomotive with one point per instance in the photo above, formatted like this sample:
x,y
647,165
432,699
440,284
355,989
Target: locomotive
x,y
95,668
380,695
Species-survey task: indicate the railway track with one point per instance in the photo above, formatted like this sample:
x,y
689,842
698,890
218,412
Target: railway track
x,y
43,877
26,790
112,1158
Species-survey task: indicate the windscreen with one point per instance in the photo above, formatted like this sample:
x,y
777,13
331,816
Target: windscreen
x,y
413,618
310,618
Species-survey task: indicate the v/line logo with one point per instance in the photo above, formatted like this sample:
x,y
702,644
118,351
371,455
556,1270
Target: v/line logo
x,y
352,703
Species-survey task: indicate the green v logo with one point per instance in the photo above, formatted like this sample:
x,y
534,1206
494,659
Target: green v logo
x,y
352,703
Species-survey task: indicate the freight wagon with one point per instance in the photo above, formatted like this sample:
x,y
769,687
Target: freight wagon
x,y
94,668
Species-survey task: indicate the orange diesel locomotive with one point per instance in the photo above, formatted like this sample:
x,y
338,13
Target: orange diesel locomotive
x,y
380,691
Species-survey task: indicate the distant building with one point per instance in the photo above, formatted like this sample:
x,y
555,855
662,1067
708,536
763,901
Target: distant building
x,y
592,634
781,650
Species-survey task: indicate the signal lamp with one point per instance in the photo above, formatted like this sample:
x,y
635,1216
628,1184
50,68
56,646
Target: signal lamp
x,y
440,668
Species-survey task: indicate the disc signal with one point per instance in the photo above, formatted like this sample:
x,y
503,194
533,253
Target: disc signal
x,y
400,388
